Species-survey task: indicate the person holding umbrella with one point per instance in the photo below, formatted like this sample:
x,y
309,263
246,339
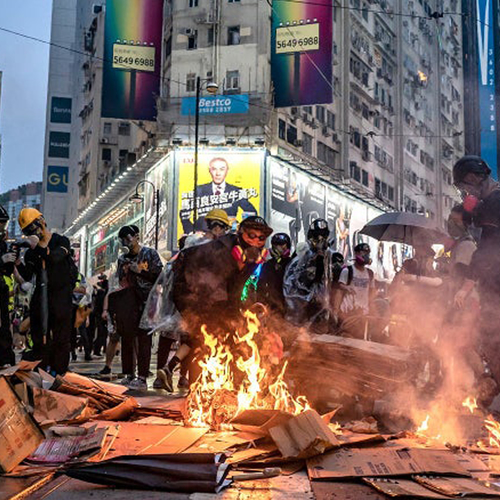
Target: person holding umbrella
x,y
56,273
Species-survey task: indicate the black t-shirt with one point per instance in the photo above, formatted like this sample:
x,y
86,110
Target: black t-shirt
x,y
60,268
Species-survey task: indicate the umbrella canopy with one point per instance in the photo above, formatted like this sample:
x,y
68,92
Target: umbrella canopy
x,y
404,227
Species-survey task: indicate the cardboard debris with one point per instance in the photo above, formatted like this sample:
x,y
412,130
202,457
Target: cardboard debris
x,y
366,426
259,421
19,433
383,461
123,411
348,438
303,436
60,450
340,490
403,488
458,486
56,407
90,383
21,366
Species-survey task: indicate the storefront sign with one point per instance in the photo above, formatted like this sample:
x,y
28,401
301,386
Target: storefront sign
x,y
57,179
59,144
60,110
216,105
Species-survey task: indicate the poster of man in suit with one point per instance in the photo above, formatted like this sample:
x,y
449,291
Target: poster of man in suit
x,y
226,179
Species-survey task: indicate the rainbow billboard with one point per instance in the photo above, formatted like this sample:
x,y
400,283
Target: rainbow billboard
x,y
132,55
301,52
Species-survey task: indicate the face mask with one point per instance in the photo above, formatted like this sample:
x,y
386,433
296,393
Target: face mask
x,y
318,244
279,253
455,230
470,203
363,260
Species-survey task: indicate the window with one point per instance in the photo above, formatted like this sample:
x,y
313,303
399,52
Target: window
x,y
390,193
378,187
320,114
190,82
108,128
364,178
355,171
291,134
192,3
233,35
233,80
106,154
307,143
210,36
281,129
193,40
124,128
233,1
326,154
330,120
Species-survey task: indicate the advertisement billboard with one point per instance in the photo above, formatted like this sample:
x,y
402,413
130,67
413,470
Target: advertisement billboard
x,y
57,179
60,110
216,105
227,179
158,176
132,58
301,52
59,144
487,84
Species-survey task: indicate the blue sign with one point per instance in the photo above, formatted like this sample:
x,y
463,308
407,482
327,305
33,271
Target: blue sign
x,y
216,105
59,144
57,179
487,105
60,110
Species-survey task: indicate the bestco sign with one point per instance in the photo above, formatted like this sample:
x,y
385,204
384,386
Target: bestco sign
x,y
216,105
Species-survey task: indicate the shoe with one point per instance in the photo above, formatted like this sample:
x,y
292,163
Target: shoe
x,y
127,380
183,382
105,371
157,384
165,376
74,357
138,384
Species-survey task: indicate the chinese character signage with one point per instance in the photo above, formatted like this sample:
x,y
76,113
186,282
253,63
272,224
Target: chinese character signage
x,y
226,179
57,179
216,105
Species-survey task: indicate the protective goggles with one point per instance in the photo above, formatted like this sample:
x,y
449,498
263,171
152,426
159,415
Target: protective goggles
x,y
280,239
212,224
32,228
254,236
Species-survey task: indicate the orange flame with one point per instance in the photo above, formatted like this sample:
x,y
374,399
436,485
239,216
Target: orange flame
x,y
231,383
424,426
470,403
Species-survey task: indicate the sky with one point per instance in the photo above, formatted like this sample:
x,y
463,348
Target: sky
x,y
25,65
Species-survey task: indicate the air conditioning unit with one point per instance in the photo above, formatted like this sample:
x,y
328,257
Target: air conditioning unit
x,y
104,140
298,143
313,123
365,154
325,131
187,31
294,110
335,138
106,163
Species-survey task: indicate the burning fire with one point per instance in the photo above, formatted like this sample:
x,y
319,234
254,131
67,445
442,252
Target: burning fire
x,y
470,403
493,427
424,426
233,379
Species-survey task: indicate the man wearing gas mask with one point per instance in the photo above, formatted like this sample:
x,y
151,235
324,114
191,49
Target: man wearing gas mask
x,y
49,260
7,260
481,199
304,284
138,268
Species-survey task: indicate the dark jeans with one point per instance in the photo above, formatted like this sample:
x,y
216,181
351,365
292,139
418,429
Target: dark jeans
x,y
6,352
54,350
164,346
102,334
136,346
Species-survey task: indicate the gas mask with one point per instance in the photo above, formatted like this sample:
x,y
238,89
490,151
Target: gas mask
x,y
363,259
34,229
279,252
318,243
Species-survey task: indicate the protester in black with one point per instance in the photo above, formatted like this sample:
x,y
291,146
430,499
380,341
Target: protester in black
x,y
7,260
50,262
138,268
101,329
270,285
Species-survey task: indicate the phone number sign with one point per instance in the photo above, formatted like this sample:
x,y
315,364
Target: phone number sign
x,y
133,57
301,38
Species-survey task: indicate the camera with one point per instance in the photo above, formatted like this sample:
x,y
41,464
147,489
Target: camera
x,y
16,246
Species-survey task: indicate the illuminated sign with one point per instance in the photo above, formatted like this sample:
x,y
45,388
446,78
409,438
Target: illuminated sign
x,y
133,57
216,105
301,38
57,179
487,84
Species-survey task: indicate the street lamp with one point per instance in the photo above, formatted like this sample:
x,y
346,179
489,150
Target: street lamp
x,y
212,88
139,198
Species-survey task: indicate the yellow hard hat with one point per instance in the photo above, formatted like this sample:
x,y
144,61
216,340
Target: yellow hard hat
x,y
27,216
219,215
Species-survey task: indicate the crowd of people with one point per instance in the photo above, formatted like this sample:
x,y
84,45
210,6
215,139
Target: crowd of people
x,y
448,301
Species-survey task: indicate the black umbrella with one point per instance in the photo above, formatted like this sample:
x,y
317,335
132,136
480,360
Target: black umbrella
x,y
404,227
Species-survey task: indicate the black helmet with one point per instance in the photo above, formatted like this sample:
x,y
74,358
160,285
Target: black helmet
x,y
281,239
318,227
256,222
362,247
4,215
469,164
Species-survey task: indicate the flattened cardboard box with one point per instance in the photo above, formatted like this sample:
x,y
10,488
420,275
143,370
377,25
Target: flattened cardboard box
x,y
380,462
19,433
